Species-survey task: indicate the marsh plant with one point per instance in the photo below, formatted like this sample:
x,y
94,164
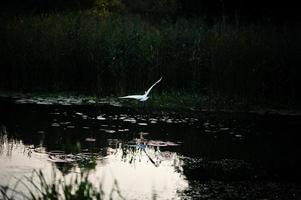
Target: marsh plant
x,y
121,54
38,187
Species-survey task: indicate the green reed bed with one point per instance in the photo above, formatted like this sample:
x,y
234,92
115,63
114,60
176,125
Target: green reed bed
x,y
38,187
117,55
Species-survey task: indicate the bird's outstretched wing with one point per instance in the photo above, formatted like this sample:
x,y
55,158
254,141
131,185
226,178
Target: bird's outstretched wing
x,y
147,92
131,97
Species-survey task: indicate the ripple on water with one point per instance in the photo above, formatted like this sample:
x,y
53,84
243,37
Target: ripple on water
x,y
159,143
41,132
65,123
224,129
58,156
107,130
55,124
169,121
123,130
131,120
90,139
142,124
100,117
143,133
40,150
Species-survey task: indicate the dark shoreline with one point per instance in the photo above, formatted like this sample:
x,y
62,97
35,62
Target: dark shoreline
x,y
55,99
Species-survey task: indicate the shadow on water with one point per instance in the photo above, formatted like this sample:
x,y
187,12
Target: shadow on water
x,y
154,155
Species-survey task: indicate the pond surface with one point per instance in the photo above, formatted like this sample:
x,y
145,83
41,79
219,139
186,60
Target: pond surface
x,y
159,155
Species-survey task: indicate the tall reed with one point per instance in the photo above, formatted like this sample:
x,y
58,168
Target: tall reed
x,y
114,55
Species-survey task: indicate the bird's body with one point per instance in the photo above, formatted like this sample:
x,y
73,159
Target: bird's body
x,y
143,97
138,97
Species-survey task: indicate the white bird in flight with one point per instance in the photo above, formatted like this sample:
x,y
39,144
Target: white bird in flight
x,y
143,97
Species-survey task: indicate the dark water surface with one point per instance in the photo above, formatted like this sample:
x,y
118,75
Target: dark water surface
x,y
154,155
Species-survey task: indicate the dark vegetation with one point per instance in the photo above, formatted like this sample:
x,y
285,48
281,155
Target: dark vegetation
x,y
244,50
39,188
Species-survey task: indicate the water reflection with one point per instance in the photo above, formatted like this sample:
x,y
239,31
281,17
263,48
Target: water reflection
x,y
164,156
141,170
